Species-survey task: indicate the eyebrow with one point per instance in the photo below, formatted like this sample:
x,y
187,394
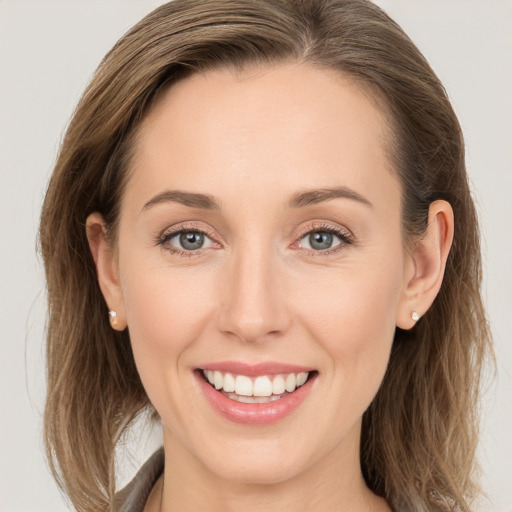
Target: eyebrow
x,y
299,200
315,196
194,200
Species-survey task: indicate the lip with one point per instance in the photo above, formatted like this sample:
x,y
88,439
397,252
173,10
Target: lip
x,y
254,370
254,414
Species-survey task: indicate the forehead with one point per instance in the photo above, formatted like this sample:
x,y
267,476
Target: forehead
x,y
277,126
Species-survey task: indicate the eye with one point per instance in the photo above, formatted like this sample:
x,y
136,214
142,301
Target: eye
x,y
320,240
186,240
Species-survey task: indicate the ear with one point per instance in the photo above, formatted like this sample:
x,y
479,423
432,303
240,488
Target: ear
x,y
425,265
106,269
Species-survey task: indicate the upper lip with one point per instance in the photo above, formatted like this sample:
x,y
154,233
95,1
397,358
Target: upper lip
x,y
253,370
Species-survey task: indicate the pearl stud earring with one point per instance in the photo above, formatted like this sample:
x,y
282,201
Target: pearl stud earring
x,y
415,316
113,315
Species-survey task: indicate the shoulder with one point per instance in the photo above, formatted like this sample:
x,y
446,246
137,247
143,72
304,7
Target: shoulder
x,y
133,497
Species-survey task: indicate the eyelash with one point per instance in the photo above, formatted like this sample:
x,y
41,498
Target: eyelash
x,y
184,228
344,235
346,238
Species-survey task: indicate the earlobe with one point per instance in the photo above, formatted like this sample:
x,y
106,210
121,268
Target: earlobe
x,y
106,270
426,265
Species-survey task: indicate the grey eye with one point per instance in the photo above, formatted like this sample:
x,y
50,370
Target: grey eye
x,y
320,240
187,240
191,240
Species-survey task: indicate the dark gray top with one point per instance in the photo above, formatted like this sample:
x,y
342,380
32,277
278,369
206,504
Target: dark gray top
x,y
134,496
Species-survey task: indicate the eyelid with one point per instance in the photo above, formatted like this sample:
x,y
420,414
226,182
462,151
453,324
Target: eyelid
x,y
344,234
172,231
318,225
186,226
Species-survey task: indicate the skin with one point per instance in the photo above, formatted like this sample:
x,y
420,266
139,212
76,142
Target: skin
x,y
257,292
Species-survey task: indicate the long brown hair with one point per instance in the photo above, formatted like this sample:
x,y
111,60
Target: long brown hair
x,y
420,433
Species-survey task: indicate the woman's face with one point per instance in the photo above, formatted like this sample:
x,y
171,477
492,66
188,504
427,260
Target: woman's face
x,y
260,237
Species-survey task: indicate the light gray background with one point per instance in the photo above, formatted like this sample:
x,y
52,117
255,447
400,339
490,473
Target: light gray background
x,y
48,51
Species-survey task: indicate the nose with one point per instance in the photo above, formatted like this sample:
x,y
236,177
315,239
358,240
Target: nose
x,y
253,306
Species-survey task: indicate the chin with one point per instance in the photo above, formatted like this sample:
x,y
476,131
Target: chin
x,y
257,473
259,462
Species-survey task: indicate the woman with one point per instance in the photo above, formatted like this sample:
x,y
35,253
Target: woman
x,y
259,228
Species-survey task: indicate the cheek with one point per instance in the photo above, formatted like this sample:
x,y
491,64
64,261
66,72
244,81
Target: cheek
x,y
162,307
352,316
352,302
166,312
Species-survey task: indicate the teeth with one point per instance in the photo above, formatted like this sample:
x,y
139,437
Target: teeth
x,y
229,383
218,380
301,378
290,383
262,389
243,385
253,399
262,386
278,386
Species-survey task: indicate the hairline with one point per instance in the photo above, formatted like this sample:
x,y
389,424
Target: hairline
x,y
131,141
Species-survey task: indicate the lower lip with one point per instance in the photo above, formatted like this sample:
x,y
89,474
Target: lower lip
x,y
254,414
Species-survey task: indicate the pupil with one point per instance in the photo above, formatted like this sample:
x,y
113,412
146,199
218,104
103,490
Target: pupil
x,y
320,240
191,240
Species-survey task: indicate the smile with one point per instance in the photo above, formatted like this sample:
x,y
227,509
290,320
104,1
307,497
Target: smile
x,y
255,395
261,389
